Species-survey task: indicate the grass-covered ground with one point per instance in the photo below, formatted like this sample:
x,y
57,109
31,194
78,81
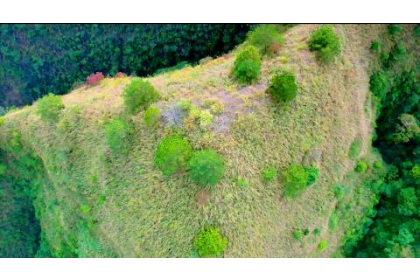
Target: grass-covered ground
x,y
94,202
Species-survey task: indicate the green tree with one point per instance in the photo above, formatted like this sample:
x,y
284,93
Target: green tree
x,y
139,94
206,167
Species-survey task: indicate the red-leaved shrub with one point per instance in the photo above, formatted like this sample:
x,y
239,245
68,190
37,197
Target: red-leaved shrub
x,y
94,78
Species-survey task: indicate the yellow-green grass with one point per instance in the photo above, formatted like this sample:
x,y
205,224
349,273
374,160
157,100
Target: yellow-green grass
x,y
135,211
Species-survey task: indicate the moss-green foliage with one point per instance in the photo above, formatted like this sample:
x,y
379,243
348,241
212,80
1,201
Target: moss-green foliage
x,y
206,118
269,174
322,245
355,147
210,243
378,84
283,87
333,223
266,38
298,234
49,107
339,191
415,172
242,182
296,180
394,29
206,167
152,116
117,136
57,57
375,46
325,43
247,65
139,94
408,202
361,166
313,174
172,154
317,231
2,120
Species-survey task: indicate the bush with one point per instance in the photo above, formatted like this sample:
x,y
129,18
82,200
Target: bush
x,y
296,179
297,234
247,65
116,134
283,87
322,245
313,174
378,84
210,243
355,147
269,174
375,46
49,107
206,119
2,120
325,43
139,94
94,79
266,38
152,116
361,167
394,29
317,231
206,167
172,154
333,223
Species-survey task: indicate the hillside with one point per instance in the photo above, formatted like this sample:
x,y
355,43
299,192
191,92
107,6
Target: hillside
x,y
91,202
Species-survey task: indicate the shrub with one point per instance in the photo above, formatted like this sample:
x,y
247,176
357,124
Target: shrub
x,y
247,65
152,116
313,174
49,107
242,182
375,46
2,120
94,79
172,154
378,84
361,167
339,192
283,87
394,29
325,43
296,180
120,75
206,119
322,245
266,38
206,167
138,95
210,243
317,231
407,202
355,148
297,234
333,223
415,172
116,134
269,174
417,31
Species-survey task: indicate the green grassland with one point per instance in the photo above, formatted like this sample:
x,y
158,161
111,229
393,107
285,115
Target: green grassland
x,y
93,202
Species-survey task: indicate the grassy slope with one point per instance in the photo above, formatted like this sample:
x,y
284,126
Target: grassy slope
x,y
136,212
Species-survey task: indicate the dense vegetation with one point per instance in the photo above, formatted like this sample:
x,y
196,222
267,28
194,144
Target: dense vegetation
x,y
39,58
201,162
395,227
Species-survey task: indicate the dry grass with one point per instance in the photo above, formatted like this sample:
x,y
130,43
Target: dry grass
x,y
147,215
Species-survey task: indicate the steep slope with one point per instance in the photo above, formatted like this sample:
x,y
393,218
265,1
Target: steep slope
x,y
95,203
